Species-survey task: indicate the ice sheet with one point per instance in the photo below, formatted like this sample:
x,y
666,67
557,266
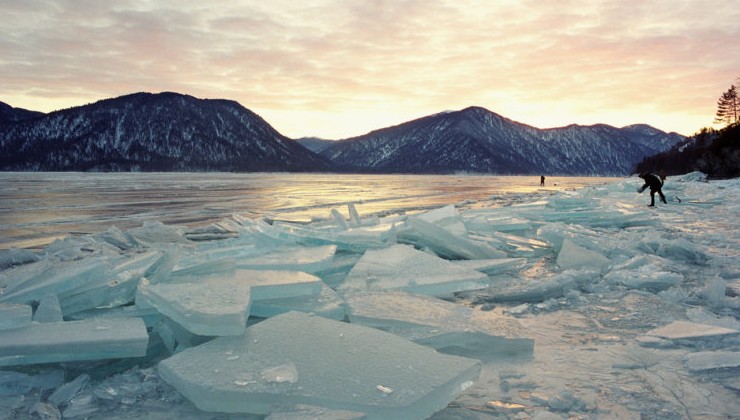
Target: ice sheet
x,y
74,340
445,326
644,269
401,267
219,304
348,367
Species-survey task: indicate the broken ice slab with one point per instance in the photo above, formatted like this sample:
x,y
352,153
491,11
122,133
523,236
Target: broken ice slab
x,y
308,412
57,279
543,289
648,277
492,266
574,256
444,243
74,340
678,330
116,288
446,217
497,223
445,326
401,267
48,310
306,259
14,316
296,358
712,360
219,304
327,304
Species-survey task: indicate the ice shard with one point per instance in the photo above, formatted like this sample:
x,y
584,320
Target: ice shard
x,y
445,326
677,330
220,304
74,340
296,358
712,360
327,304
306,259
48,310
572,256
401,267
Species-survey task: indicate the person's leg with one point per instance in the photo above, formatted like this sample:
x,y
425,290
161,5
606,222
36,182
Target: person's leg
x,y
652,198
662,197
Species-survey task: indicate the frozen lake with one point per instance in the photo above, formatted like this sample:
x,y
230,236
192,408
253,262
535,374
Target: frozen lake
x,y
268,296
40,207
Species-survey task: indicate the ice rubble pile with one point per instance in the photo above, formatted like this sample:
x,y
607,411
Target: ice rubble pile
x,y
359,314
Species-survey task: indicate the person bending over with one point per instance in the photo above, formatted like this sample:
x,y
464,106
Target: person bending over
x,y
656,184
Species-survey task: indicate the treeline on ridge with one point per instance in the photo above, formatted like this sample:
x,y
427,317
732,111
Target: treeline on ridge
x,y
713,152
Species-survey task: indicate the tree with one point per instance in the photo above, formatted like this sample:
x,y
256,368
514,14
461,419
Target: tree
x,y
728,107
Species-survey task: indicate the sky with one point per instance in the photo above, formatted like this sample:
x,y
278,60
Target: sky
x,y
341,68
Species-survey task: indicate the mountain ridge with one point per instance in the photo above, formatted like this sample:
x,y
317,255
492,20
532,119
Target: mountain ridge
x,y
152,132
478,140
169,131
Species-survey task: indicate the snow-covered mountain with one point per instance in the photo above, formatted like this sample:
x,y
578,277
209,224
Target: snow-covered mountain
x,y
478,140
150,132
8,114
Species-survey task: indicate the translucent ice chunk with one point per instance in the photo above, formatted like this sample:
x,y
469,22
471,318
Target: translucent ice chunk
x,y
62,277
445,326
307,259
401,267
66,392
14,256
683,329
711,360
443,242
327,304
337,365
311,412
572,255
117,288
220,304
48,310
14,316
492,266
74,340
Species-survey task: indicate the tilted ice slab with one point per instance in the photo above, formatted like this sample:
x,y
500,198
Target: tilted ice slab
x,y
74,340
711,360
401,267
327,304
219,304
296,358
445,326
677,330
572,256
307,259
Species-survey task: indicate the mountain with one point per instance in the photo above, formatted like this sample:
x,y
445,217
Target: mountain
x,y
150,132
8,114
477,140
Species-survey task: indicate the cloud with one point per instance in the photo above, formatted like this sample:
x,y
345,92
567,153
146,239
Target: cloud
x,y
308,66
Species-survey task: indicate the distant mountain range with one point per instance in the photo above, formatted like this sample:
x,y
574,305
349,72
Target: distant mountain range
x,y
150,132
478,140
175,132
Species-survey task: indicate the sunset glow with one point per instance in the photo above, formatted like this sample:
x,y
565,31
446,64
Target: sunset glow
x,y
336,68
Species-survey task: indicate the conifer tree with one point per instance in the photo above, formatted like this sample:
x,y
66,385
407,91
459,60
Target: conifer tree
x,y
728,107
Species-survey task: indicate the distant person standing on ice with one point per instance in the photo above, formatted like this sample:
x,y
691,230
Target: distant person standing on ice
x,y
542,181
654,182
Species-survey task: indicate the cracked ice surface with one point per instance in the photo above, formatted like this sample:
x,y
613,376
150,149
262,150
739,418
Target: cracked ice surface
x,y
287,359
620,311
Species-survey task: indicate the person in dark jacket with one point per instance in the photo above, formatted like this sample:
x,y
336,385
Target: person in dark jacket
x,y
656,184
